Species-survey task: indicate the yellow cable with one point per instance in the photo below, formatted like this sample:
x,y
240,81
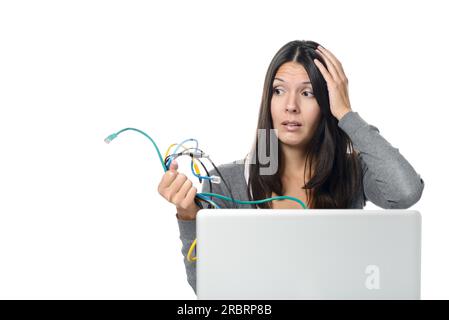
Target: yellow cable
x,y
197,170
189,258
168,150
192,246
195,165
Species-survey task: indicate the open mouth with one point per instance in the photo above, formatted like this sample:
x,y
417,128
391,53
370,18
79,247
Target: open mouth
x,y
291,125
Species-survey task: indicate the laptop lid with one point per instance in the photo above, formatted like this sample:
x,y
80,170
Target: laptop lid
x,y
308,254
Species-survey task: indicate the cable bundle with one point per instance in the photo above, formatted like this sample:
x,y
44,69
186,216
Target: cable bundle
x,y
196,155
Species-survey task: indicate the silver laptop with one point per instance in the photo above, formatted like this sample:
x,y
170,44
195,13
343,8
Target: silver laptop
x,y
308,254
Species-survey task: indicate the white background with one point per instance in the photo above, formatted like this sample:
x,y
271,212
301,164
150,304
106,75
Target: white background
x,y
83,219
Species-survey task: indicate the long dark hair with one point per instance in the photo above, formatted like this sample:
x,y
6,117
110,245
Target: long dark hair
x,y
337,177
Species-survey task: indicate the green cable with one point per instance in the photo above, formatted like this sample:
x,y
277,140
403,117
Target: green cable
x,y
256,201
114,135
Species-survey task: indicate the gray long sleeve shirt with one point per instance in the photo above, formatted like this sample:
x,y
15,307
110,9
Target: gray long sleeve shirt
x,y
389,181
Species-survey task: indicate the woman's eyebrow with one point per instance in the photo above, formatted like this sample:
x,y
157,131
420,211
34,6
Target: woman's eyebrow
x,y
305,82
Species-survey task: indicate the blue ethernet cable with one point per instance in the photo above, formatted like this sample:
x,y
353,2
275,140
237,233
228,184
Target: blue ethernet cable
x,y
196,153
214,179
203,196
179,145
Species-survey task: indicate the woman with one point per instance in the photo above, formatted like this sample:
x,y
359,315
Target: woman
x,y
326,154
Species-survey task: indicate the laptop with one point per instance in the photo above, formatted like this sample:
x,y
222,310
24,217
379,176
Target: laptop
x,y
326,254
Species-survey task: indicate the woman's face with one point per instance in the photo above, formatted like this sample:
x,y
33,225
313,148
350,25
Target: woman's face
x,y
293,101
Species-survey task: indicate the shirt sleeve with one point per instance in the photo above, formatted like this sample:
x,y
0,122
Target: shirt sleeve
x,y
187,229
389,180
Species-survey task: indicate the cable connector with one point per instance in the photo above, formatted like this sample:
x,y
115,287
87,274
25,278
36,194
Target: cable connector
x,y
195,154
215,179
110,137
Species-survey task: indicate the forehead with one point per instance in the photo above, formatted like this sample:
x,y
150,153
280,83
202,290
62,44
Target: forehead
x,y
292,72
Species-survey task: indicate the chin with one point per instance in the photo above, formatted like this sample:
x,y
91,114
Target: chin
x,y
291,142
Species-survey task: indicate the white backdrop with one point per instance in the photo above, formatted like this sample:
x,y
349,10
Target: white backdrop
x,y
80,219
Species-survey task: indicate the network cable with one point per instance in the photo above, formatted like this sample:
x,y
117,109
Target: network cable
x,y
197,154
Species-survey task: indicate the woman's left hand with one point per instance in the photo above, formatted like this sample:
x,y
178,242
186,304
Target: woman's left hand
x,y
337,83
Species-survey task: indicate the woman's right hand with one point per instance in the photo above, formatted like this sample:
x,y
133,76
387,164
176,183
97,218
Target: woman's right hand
x,y
177,189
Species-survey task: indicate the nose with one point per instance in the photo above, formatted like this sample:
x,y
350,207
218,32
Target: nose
x,y
292,104
292,108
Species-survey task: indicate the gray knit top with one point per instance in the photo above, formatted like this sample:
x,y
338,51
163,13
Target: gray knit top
x,y
389,181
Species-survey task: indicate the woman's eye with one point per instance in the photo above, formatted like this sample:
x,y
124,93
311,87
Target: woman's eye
x,y
276,90
310,94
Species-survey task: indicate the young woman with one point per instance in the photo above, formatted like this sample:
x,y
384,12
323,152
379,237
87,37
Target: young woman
x,y
327,155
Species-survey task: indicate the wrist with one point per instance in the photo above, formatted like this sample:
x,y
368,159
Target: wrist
x,y
183,214
342,114
183,218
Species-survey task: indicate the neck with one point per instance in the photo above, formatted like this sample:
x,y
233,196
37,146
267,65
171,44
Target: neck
x,y
293,162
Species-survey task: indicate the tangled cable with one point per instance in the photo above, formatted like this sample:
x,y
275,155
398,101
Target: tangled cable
x,y
196,154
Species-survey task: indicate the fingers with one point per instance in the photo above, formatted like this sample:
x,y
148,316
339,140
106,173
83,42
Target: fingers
x,y
169,176
189,199
173,165
335,61
330,66
334,65
176,197
177,188
327,76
